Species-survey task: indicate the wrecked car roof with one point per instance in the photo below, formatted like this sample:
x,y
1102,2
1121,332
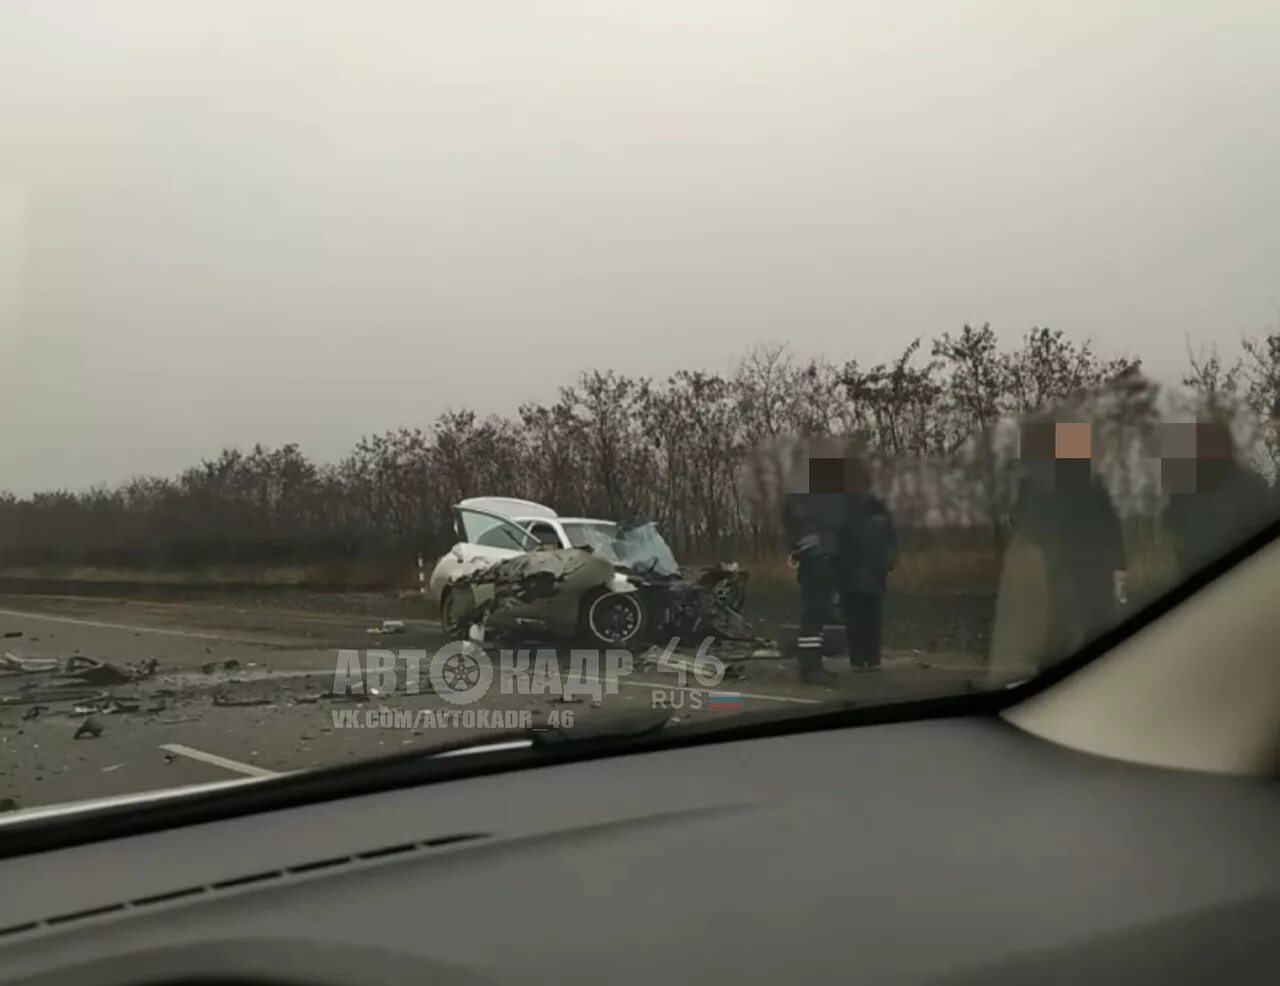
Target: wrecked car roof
x,y
598,521
509,507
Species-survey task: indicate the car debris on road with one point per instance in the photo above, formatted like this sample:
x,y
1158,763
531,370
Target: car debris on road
x,y
90,727
11,663
225,700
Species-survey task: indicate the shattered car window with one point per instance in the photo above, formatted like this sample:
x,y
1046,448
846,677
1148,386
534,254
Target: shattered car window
x,y
589,535
639,547
642,548
286,378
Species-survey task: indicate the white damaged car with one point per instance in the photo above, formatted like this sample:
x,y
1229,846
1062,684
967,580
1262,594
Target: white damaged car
x,y
517,562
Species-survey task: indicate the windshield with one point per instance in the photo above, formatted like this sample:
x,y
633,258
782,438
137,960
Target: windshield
x,y
638,547
902,349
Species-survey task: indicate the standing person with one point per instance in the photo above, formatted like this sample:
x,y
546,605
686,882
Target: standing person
x,y
813,516
1065,567
868,552
1215,500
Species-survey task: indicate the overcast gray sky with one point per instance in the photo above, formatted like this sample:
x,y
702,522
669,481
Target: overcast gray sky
x,y
229,222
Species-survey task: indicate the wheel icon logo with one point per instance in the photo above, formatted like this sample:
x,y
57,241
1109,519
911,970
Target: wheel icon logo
x,y
460,672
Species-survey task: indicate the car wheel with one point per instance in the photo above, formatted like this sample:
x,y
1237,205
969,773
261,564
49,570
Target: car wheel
x,y
446,612
612,618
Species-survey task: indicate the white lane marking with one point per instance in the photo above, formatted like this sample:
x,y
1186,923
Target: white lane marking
x,y
217,761
103,625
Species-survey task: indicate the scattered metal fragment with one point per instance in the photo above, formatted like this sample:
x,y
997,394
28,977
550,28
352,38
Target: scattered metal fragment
x,y
90,727
354,695
114,766
177,719
222,699
18,664
12,633
212,667
94,672
54,692
34,712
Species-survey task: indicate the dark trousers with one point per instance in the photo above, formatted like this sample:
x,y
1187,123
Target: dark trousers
x,y
863,627
817,586
1081,608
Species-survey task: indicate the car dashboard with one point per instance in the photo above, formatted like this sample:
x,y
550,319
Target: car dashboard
x,y
945,851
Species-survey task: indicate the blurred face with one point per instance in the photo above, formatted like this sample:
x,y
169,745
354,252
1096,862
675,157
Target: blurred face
x,y
1072,440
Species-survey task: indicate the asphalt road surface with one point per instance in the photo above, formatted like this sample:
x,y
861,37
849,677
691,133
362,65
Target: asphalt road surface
x,y
238,692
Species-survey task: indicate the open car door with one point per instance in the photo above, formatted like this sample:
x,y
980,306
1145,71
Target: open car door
x,y
484,538
482,534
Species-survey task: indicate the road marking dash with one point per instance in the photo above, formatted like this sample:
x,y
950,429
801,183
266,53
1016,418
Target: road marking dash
x,y
103,625
213,759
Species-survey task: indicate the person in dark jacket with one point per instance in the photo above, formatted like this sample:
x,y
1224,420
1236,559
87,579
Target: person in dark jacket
x,y
867,553
1215,500
1065,514
813,518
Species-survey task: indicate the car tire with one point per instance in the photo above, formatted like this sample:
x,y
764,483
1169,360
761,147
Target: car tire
x,y
446,612
612,619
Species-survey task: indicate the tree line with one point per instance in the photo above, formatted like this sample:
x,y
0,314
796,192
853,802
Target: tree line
x,y
608,445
